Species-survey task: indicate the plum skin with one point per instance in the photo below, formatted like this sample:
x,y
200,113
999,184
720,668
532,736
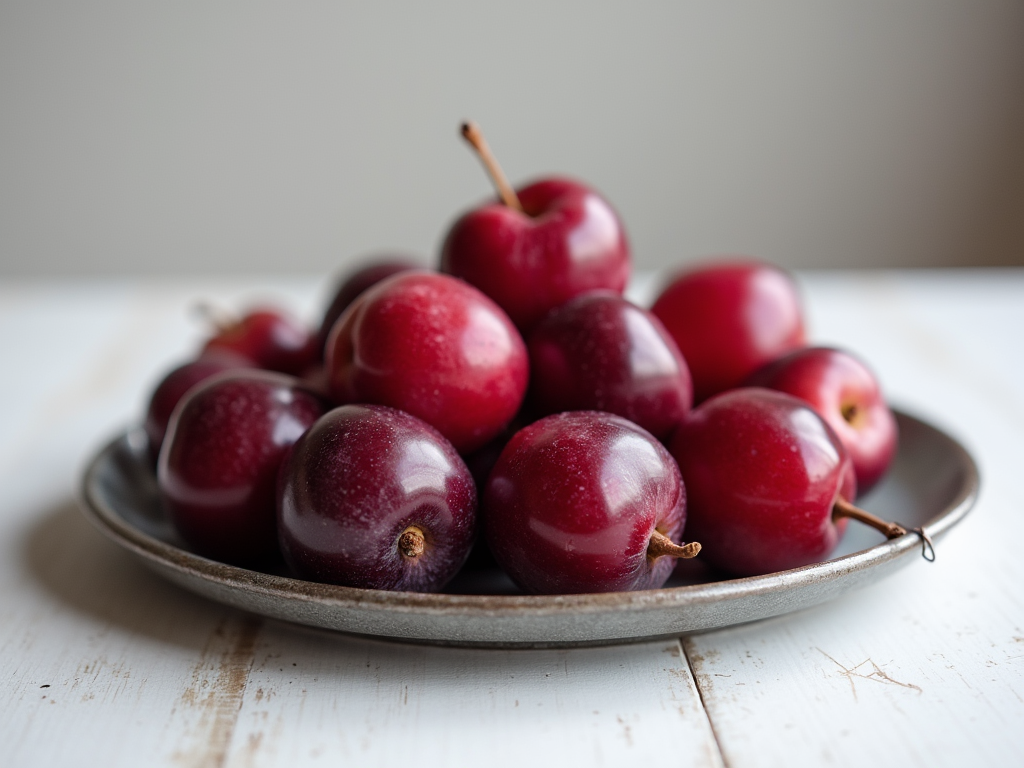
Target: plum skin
x,y
846,394
218,465
355,283
572,503
601,352
762,472
359,478
730,318
271,338
567,241
435,347
174,386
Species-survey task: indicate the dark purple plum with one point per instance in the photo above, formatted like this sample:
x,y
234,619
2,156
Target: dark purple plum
x,y
375,498
354,283
600,352
218,466
585,501
271,338
174,386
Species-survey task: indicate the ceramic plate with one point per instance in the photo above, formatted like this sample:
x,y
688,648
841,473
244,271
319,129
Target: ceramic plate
x,y
933,484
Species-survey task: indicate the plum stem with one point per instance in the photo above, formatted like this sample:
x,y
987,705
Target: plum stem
x,y
412,542
661,545
471,132
843,508
218,318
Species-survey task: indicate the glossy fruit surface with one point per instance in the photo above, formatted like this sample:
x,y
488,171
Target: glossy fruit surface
x,y
846,394
729,319
435,347
362,477
600,352
271,338
567,241
762,472
174,386
218,467
574,500
354,284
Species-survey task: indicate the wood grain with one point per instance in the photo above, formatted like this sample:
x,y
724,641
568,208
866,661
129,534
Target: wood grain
x,y
926,668
314,694
103,663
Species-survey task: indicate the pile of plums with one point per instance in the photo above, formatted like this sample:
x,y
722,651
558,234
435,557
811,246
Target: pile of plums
x,y
515,402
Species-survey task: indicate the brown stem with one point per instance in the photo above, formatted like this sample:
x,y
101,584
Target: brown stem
x,y
471,132
661,545
412,543
219,319
843,508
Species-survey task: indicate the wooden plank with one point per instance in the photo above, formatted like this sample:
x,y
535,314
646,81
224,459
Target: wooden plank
x,y
104,663
314,697
875,678
926,668
135,666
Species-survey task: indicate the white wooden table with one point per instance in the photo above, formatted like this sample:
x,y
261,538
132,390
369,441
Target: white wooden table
x,y
102,663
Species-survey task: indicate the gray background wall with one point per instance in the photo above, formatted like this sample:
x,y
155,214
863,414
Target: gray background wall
x,y
198,137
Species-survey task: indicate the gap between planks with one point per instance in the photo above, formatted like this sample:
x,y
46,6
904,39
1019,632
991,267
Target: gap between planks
x,y
233,662
684,647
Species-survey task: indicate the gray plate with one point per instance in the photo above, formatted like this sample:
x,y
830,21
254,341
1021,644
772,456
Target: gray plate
x,y
933,483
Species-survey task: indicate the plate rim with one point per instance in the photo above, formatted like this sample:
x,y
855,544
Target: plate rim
x,y
169,556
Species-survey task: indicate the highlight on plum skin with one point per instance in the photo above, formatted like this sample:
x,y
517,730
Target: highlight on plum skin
x,y
846,394
435,347
763,474
218,466
585,501
372,497
601,352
